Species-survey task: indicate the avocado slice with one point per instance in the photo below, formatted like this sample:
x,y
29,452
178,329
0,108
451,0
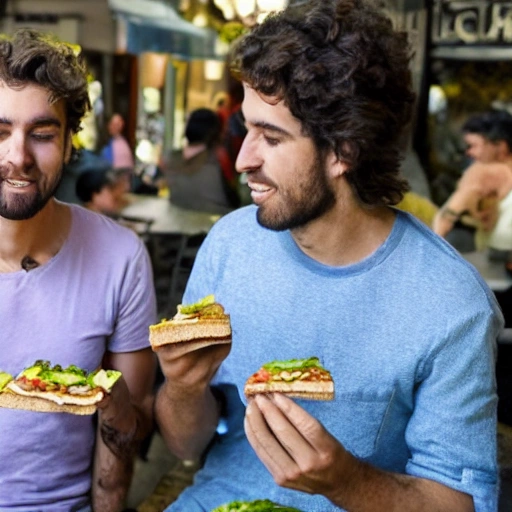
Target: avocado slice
x,y
104,379
190,309
64,378
5,378
35,370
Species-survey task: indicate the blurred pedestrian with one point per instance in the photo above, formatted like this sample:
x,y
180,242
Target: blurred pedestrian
x,y
194,175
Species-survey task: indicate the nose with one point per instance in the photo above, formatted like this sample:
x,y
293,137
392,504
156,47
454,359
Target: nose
x,y
17,152
248,158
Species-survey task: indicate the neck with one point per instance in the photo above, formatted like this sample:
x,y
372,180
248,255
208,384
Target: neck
x,y
33,241
192,150
346,234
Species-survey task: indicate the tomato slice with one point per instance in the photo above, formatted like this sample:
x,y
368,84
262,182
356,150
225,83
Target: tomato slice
x,y
262,375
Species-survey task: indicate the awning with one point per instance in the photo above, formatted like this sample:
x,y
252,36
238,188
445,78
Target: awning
x,y
151,26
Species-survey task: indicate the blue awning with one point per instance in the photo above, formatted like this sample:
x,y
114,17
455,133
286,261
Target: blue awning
x,y
155,27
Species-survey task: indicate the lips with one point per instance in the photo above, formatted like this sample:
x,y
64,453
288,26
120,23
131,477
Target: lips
x,y
259,187
260,191
18,183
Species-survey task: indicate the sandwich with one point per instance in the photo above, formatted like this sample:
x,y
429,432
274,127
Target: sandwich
x,y
300,378
194,326
45,388
254,506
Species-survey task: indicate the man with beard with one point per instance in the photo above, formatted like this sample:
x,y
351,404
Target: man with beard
x,y
75,289
323,266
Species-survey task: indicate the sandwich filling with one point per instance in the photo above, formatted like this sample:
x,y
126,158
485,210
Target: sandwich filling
x,y
204,309
254,506
71,385
199,324
307,370
302,378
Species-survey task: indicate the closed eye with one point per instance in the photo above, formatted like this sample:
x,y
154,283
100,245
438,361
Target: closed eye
x,y
43,136
271,141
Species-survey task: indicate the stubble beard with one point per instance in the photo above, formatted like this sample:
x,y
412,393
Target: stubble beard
x,y
302,204
25,206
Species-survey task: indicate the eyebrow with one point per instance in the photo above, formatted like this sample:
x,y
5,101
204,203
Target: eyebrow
x,y
36,122
271,127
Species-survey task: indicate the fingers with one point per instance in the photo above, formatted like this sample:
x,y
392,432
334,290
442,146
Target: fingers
x,y
270,451
308,426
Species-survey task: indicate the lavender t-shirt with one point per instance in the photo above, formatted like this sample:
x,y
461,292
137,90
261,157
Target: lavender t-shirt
x,y
95,295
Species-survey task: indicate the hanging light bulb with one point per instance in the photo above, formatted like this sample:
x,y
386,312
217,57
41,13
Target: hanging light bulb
x,y
245,8
227,8
272,5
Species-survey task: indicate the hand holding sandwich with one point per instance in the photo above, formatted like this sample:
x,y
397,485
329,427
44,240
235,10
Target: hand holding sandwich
x,y
186,409
190,351
300,454
296,449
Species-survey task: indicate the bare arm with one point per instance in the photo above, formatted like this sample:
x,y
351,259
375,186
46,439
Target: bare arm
x,y
300,454
462,201
186,410
125,419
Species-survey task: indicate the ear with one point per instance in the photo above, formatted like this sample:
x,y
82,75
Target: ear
x,y
336,167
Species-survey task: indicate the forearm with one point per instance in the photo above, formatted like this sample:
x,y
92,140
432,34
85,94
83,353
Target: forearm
x,y
187,418
123,430
365,488
112,478
119,435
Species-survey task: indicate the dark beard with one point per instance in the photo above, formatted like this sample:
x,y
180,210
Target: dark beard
x,y
23,208
314,199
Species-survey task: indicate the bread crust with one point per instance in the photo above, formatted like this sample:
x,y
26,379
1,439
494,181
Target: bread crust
x,y
11,400
318,390
203,331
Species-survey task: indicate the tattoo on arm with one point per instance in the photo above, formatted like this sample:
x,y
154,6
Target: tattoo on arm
x,y
122,445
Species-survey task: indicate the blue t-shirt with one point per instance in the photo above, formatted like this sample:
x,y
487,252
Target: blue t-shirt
x,y
408,334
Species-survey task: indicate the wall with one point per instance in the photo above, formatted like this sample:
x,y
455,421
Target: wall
x,y
91,20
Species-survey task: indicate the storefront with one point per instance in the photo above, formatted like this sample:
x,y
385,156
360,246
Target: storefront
x,y
468,70
175,62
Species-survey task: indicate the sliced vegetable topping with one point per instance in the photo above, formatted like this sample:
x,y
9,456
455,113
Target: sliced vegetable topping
x,y
5,378
254,506
43,377
293,364
189,309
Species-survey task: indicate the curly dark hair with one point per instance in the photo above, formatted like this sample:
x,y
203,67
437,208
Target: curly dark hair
x,y
30,56
493,125
343,71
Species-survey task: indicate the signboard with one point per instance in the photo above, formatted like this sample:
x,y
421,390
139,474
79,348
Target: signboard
x,y
472,22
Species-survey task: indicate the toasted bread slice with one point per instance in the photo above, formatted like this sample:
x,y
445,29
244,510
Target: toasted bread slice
x,y
208,330
323,390
12,400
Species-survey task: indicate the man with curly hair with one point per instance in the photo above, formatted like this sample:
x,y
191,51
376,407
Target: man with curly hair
x,y
323,265
75,289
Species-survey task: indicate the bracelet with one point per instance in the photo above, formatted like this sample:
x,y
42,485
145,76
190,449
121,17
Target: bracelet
x,y
449,212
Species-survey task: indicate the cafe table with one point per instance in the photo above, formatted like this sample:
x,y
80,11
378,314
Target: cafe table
x,y
165,218
172,236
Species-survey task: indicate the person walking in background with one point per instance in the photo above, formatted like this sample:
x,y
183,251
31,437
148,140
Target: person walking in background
x,y
117,151
194,174
322,265
76,289
479,212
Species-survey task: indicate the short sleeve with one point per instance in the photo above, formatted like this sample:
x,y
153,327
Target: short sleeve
x,y
137,305
452,434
